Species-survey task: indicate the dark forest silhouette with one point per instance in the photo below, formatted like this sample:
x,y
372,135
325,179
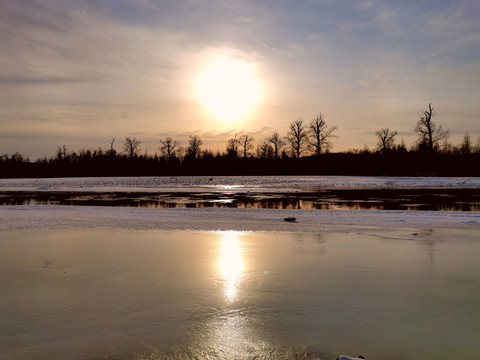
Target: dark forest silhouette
x,y
305,150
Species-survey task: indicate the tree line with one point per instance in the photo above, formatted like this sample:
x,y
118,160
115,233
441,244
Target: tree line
x,y
304,150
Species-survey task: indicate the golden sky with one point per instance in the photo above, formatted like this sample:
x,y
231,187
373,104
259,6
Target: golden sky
x,y
80,72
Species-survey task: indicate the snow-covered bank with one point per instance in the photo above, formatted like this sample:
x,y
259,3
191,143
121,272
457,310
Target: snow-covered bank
x,y
233,183
18,217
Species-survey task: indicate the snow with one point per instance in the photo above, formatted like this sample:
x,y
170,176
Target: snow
x,y
216,219
28,216
232,183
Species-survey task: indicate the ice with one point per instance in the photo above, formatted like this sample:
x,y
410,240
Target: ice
x,y
213,219
232,218
390,228
232,183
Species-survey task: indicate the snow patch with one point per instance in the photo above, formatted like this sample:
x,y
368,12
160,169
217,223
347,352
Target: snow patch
x,y
31,216
233,183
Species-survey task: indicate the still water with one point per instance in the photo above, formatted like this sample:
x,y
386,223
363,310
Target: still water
x,y
337,199
79,293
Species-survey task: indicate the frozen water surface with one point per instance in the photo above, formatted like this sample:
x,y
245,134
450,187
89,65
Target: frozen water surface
x,y
232,183
111,293
104,282
206,219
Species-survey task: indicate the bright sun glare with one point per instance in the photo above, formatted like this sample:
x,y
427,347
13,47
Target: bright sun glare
x,y
230,262
229,88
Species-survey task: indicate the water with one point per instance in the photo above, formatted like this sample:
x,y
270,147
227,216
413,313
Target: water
x,y
404,199
81,293
264,192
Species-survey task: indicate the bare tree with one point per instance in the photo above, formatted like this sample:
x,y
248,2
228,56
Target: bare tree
x,y
297,137
246,144
15,157
466,146
386,139
319,135
430,134
402,147
277,143
131,146
112,152
232,146
476,148
62,152
265,150
169,148
193,149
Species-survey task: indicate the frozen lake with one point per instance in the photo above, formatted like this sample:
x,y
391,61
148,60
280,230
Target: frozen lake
x,y
113,293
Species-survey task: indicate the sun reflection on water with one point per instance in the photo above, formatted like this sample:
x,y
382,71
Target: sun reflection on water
x,y
230,262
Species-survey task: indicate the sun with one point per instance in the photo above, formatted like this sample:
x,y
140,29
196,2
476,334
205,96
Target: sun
x,y
229,88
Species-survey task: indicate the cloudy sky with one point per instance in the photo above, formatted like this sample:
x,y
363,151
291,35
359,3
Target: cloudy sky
x,y
80,72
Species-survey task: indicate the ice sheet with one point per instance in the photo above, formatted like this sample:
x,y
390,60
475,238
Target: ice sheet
x,y
232,183
15,217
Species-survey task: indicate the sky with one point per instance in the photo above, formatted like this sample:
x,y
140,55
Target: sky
x,y
80,73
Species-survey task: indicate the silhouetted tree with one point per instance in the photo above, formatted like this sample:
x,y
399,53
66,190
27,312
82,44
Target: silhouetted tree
x,y
401,147
430,134
466,145
450,149
319,135
476,148
297,137
62,152
277,143
265,150
246,144
365,150
208,154
131,146
386,139
169,148
112,152
17,158
193,149
232,147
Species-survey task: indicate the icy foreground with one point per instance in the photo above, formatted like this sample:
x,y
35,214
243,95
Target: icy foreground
x,y
212,219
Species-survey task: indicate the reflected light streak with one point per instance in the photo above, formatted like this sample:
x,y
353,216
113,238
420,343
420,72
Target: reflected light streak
x,y
230,262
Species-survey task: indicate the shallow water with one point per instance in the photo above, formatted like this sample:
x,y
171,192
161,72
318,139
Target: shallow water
x,y
264,192
79,293
360,199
